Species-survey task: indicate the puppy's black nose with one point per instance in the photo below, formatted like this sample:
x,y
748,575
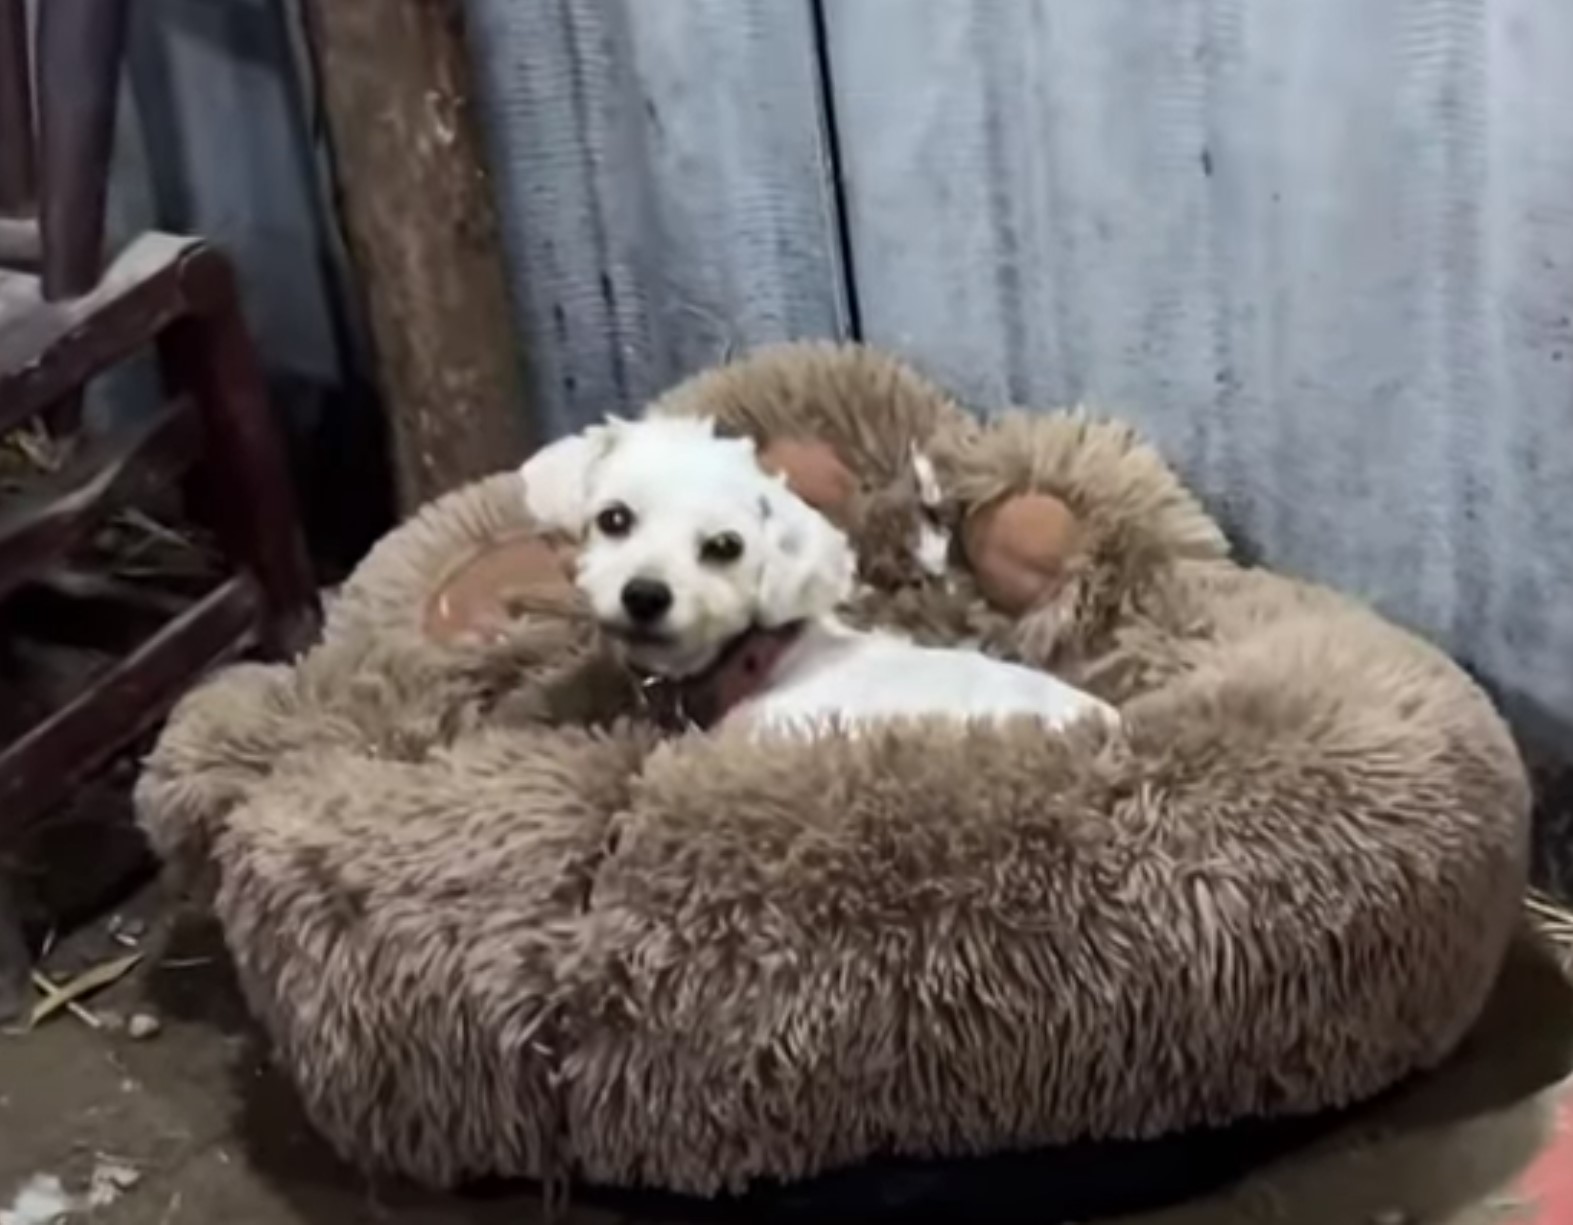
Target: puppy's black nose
x,y
646,600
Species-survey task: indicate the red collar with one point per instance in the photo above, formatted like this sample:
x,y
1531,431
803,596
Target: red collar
x,y
702,701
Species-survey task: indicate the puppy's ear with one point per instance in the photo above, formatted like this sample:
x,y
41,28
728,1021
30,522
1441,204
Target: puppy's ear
x,y
809,566
557,479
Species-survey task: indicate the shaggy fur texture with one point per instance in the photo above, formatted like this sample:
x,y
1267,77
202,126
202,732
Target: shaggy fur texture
x,y
496,926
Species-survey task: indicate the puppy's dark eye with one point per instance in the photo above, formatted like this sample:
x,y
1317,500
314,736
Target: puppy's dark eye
x,y
614,520
722,549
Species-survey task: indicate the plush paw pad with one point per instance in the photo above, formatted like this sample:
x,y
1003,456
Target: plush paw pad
x,y
815,473
1019,549
497,585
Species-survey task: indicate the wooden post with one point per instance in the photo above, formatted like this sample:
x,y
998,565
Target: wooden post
x,y
417,207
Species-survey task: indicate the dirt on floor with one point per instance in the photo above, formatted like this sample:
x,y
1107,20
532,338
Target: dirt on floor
x,y
188,1125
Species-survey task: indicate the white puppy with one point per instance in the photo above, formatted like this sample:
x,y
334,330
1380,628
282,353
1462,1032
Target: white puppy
x,y
721,585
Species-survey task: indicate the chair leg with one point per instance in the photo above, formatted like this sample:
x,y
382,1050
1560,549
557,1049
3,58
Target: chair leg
x,y
17,182
16,962
81,44
247,498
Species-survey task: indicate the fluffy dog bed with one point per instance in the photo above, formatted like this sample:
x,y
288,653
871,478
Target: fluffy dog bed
x,y
496,924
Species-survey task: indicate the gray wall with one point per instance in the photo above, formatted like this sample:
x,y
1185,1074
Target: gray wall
x,y
213,140
666,187
1321,249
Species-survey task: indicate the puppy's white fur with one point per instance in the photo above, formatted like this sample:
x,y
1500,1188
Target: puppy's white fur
x,y
670,488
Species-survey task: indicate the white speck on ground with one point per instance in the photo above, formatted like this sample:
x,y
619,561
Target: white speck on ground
x,y
143,1026
41,1201
44,1200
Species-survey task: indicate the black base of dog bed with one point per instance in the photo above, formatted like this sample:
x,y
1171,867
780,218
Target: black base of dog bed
x,y
1077,1182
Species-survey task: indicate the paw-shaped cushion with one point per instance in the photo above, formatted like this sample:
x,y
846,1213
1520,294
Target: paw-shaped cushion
x,y
529,938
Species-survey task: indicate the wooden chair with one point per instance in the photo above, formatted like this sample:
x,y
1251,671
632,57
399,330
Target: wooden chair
x,y
66,317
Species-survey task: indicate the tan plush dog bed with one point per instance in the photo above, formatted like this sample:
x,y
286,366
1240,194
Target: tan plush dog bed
x,y
498,925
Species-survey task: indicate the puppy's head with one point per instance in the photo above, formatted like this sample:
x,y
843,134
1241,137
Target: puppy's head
x,y
685,541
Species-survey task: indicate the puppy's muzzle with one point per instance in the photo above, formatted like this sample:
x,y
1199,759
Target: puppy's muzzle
x,y
646,601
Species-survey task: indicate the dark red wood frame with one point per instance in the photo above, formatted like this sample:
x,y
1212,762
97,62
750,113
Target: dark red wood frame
x,y
66,318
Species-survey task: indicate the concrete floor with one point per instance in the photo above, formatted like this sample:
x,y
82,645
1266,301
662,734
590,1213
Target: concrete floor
x,y
209,1131
194,1129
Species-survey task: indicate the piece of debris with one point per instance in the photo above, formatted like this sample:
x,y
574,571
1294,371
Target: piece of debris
x,y
110,1180
65,995
144,1025
128,932
184,963
1507,1208
1391,1216
31,447
54,997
